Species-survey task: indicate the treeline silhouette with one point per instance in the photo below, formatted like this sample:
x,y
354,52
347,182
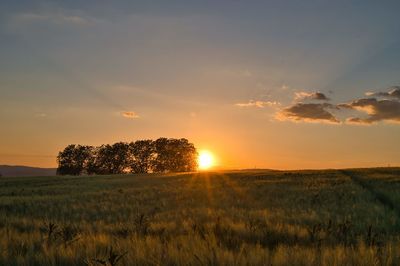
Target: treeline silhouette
x,y
141,156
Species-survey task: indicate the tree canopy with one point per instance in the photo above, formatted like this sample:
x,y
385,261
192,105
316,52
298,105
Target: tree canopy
x,y
141,156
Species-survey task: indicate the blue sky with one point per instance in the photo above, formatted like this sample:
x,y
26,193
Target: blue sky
x,y
217,72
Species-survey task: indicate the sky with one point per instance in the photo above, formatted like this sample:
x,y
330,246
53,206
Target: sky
x,y
260,84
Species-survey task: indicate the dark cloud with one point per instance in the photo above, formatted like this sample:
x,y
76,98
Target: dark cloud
x,y
381,106
320,96
309,112
355,120
393,91
311,96
377,110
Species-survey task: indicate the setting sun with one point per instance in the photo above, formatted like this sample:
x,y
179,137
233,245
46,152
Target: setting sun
x,y
205,160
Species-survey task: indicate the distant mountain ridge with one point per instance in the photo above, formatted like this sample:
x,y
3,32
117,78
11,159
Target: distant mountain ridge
x,y
19,170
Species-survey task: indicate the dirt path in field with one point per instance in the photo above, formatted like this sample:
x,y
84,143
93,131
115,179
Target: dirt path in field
x,y
380,197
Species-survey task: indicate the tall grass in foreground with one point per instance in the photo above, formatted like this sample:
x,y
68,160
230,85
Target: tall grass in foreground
x,y
236,218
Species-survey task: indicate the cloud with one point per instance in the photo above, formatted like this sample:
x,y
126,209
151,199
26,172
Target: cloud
x,y
377,110
284,87
247,73
130,115
393,91
303,95
258,104
356,121
41,115
308,112
56,17
383,106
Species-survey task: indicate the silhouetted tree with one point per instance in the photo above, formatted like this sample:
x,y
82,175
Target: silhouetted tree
x,y
185,159
174,155
110,159
141,156
160,160
73,159
93,165
120,157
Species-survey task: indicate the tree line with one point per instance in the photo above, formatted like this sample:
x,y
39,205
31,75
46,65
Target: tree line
x,y
141,156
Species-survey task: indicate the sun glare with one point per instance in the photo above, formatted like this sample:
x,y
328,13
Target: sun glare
x,y
205,160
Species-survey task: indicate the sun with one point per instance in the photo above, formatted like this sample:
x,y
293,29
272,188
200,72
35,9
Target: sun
x,y
205,160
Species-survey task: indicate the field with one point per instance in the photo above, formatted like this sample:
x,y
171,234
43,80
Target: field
x,y
330,217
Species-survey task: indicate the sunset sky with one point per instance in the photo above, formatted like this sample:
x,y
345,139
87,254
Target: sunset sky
x,y
267,84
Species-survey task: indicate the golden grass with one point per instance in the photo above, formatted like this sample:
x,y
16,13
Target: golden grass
x,y
222,218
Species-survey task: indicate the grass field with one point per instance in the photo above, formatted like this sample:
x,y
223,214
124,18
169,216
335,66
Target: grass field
x,y
330,217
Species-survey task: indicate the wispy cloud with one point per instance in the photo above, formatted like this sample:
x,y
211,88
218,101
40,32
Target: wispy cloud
x,y
130,114
41,115
303,95
234,72
284,87
258,104
58,17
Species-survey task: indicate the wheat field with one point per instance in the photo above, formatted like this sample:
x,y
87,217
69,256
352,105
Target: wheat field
x,y
254,217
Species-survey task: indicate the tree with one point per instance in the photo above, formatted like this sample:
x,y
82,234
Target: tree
x,y
119,158
174,155
73,159
141,155
94,165
160,162
110,159
185,156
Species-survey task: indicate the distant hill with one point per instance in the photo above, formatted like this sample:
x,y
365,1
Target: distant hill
x,y
11,171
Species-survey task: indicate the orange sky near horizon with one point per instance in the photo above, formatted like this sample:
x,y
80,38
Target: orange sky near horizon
x,y
284,146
